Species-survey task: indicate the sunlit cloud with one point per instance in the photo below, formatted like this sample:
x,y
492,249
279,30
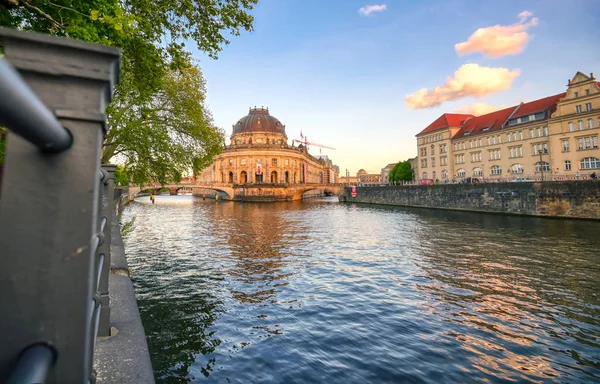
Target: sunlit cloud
x,y
469,80
479,109
367,10
499,40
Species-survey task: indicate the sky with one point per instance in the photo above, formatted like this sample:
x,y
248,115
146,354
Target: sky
x,y
365,77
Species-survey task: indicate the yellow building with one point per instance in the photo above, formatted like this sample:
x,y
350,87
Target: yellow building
x,y
259,153
553,138
365,178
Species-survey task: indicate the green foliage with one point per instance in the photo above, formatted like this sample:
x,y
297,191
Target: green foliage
x,y
163,137
401,172
121,176
152,122
2,144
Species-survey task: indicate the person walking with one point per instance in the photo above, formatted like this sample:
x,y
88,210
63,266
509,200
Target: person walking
x,y
152,197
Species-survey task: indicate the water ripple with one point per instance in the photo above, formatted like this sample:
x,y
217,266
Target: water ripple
x,y
322,292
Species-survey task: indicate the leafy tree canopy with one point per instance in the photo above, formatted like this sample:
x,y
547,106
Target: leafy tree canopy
x,y
401,172
155,67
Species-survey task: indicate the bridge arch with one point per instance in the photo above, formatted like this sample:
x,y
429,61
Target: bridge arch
x,y
336,191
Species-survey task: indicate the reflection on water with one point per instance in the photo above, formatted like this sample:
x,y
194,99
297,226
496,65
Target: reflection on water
x,y
321,292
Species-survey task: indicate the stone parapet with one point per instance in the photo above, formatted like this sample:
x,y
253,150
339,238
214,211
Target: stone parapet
x,y
568,199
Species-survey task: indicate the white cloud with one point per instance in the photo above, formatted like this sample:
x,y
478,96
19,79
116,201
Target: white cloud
x,y
499,40
367,10
469,80
479,109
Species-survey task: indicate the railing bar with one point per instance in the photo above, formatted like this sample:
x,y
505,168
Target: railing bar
x,y
33,365
23,113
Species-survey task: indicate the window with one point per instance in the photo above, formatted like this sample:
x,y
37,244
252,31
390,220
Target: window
x,y
489,141
494,138
287,162
521,135
494,154
444,174
432,149
477,172
230,161
587,142
470,143
433,175
580,125
576,94
565,145
459,159
545,131
243,162
496,170
433,162
499,139
480,142
531,135
517,168
274,161
462,173
423,163
587,92
567,165
508,137
444,160
424,175
588,107
537,148
539,132
578,109
590,163
475,157
590,123
515,136
571,127
542,165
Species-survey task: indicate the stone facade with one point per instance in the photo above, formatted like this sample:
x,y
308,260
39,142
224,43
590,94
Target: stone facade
x,y
554,138
259,153
572,199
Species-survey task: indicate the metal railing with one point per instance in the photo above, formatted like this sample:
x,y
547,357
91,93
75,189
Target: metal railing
x,y
55,206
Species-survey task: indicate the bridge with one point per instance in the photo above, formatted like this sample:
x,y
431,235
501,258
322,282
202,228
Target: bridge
x,y
242,192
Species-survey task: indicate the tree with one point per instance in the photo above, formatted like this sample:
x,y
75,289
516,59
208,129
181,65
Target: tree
x,y
167,135
401,172
151,34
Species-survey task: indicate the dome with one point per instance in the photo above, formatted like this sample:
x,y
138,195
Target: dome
x,y
258,120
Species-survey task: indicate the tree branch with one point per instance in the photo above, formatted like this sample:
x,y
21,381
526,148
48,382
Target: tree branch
x,y
42,13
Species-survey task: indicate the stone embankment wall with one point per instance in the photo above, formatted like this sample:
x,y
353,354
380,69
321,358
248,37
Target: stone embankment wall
x,y
571,199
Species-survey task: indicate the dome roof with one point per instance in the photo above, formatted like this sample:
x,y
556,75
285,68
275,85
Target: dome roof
x,y
258,120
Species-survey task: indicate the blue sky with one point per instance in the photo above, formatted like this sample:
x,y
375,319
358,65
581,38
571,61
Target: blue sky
x,y
342,77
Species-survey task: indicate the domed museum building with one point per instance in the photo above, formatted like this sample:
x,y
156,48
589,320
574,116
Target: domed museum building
x,y
259,153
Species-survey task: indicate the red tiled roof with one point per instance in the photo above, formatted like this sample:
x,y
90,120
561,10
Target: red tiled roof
x,y
446,120
547,103
493,120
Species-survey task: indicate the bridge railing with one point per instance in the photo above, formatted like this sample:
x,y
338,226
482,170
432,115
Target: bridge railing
x,y
55,206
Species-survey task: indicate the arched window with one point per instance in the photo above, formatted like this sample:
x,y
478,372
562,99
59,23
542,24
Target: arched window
x,y
590,163
571,127
496,170
462,173
424,175
542,165
444,174
230,181
243,177
274,177
580,125
477,172
590,123
517,168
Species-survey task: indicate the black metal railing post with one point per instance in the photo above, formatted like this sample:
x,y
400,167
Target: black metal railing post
x,y
107,188
49,220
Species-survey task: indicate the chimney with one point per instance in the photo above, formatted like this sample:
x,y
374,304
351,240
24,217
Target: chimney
x,y
569,82
592,75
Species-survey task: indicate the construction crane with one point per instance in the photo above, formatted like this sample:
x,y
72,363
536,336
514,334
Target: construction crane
x,y
306,143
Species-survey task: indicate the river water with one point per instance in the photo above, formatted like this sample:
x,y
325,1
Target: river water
x,y
324,292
